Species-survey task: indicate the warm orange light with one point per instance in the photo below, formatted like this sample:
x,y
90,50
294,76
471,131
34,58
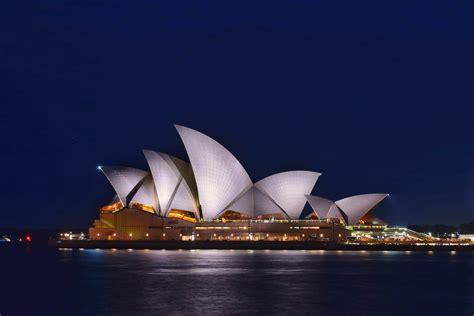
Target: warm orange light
x,y
189,219
184,215
112,207
143,207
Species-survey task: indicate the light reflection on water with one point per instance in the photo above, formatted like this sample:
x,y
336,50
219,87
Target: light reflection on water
x,y
248,281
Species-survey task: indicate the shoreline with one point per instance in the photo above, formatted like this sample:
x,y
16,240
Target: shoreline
x,y
247,245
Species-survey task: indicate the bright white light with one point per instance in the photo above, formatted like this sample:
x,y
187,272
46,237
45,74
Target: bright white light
x,y
99,167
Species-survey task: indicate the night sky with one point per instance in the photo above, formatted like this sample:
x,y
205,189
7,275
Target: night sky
x,y
376,95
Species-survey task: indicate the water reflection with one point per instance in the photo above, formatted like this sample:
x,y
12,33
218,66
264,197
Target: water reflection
x,y
248,282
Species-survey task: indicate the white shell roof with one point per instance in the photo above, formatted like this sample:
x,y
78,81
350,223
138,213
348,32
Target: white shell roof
x,y
355,207
264,204
244,204
146,194
288,190
335,212
320,206
171,176
125,181
183,200
324,208
220,177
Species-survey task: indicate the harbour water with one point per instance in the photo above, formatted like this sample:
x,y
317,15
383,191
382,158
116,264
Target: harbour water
x,y
44,281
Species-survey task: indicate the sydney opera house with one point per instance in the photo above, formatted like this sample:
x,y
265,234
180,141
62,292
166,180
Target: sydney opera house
x,y
213,198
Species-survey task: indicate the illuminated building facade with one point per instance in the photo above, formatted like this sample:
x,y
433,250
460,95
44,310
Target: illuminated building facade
x,y
213,198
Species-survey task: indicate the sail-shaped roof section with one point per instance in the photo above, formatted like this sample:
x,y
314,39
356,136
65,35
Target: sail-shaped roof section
x,y
244,204
125,180
320,206
255,203
355,207
220,177
335,212
264,205
324,208
183,200
288,189
146,194
171,176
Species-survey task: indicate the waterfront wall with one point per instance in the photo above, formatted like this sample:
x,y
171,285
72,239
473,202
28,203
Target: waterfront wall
x,y
257,245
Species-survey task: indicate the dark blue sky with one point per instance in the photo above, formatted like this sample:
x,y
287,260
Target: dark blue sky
x,y
376,95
